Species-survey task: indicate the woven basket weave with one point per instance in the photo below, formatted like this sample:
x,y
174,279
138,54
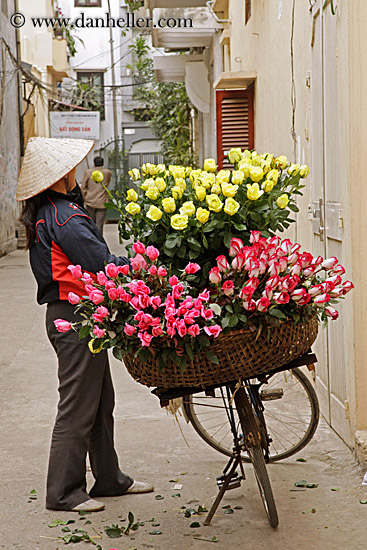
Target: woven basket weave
x,y
240,356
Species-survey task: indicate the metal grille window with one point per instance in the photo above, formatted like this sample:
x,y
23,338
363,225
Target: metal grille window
x,y
94,94
87,3
235,122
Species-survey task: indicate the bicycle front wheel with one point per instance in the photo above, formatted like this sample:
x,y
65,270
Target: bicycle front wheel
x,y
255,451
291,419
262,478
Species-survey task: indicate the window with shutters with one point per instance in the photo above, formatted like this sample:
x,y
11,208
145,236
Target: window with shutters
x,y
235,122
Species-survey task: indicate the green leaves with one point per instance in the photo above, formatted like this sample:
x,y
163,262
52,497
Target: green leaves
x,y
84,331
114,532
57,522
277,313
212,357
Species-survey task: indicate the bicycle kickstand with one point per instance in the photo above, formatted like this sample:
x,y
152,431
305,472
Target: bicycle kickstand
x,y
227,479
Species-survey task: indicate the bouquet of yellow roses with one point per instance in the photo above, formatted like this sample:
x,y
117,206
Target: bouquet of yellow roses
x,y
192,214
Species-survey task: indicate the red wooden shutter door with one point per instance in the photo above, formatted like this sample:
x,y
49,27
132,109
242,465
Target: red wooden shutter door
x,y
235,122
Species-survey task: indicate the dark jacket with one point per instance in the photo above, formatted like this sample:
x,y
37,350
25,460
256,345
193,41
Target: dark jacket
x,y
66,235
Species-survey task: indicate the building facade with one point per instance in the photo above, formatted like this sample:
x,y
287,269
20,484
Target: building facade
x,y
111,75
9,130
289,78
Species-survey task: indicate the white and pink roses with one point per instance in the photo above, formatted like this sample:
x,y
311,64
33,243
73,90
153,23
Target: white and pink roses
x,y
272,280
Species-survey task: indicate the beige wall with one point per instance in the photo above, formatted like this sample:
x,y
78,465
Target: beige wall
x,y
356,83
263,46
48,57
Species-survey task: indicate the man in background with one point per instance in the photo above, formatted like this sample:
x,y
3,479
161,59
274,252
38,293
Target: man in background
x,y
94,194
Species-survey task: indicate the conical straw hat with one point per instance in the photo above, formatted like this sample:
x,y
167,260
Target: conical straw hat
x,y
46,161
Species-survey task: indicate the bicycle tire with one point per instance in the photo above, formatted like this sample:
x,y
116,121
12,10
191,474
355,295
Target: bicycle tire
x,y
189,404
256,454
262,478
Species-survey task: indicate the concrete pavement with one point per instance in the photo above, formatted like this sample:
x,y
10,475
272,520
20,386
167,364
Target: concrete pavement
x,y
151,447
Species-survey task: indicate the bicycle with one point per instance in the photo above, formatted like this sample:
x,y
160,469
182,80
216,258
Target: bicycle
x,y
286,399
251,439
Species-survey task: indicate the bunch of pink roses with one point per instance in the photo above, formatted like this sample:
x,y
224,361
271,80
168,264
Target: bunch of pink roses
x,y
272,280
146,309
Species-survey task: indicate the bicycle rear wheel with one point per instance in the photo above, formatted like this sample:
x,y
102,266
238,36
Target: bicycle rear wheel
x,y
291,420
248,422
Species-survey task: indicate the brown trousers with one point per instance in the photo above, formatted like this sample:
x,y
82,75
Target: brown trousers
x,y
84,421
98,215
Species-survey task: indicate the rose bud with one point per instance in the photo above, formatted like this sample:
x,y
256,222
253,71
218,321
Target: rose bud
x,y
274,240
250,305
111,270
309,271
274,269
253,282
317,261
283,264
330,263
295,248
336,279
76,271
293,258
273,282
281,297
96,296
347,286
268,293
153,270
73,298
102,311
299,294
255,236
162,272
222,264
337,292
262,304
246,293
303,301
296,269
331,312
113,294
262,266
99,332
152,253
239,261
173,280
214,330
61,325
315,290
214,275
305,260
337,270
236,246
101,278
124,269
87,279
139,248
227,288
286,246
322,299
191,268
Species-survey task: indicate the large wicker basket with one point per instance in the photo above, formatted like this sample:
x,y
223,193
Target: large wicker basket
x,y
240,356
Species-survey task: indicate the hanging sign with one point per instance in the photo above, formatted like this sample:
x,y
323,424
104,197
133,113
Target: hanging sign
x,y
75,124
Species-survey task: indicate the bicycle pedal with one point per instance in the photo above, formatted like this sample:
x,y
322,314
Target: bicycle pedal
x,y
233,484
271,395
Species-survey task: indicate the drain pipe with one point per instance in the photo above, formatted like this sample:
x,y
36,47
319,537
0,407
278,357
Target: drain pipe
x,y
209,5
